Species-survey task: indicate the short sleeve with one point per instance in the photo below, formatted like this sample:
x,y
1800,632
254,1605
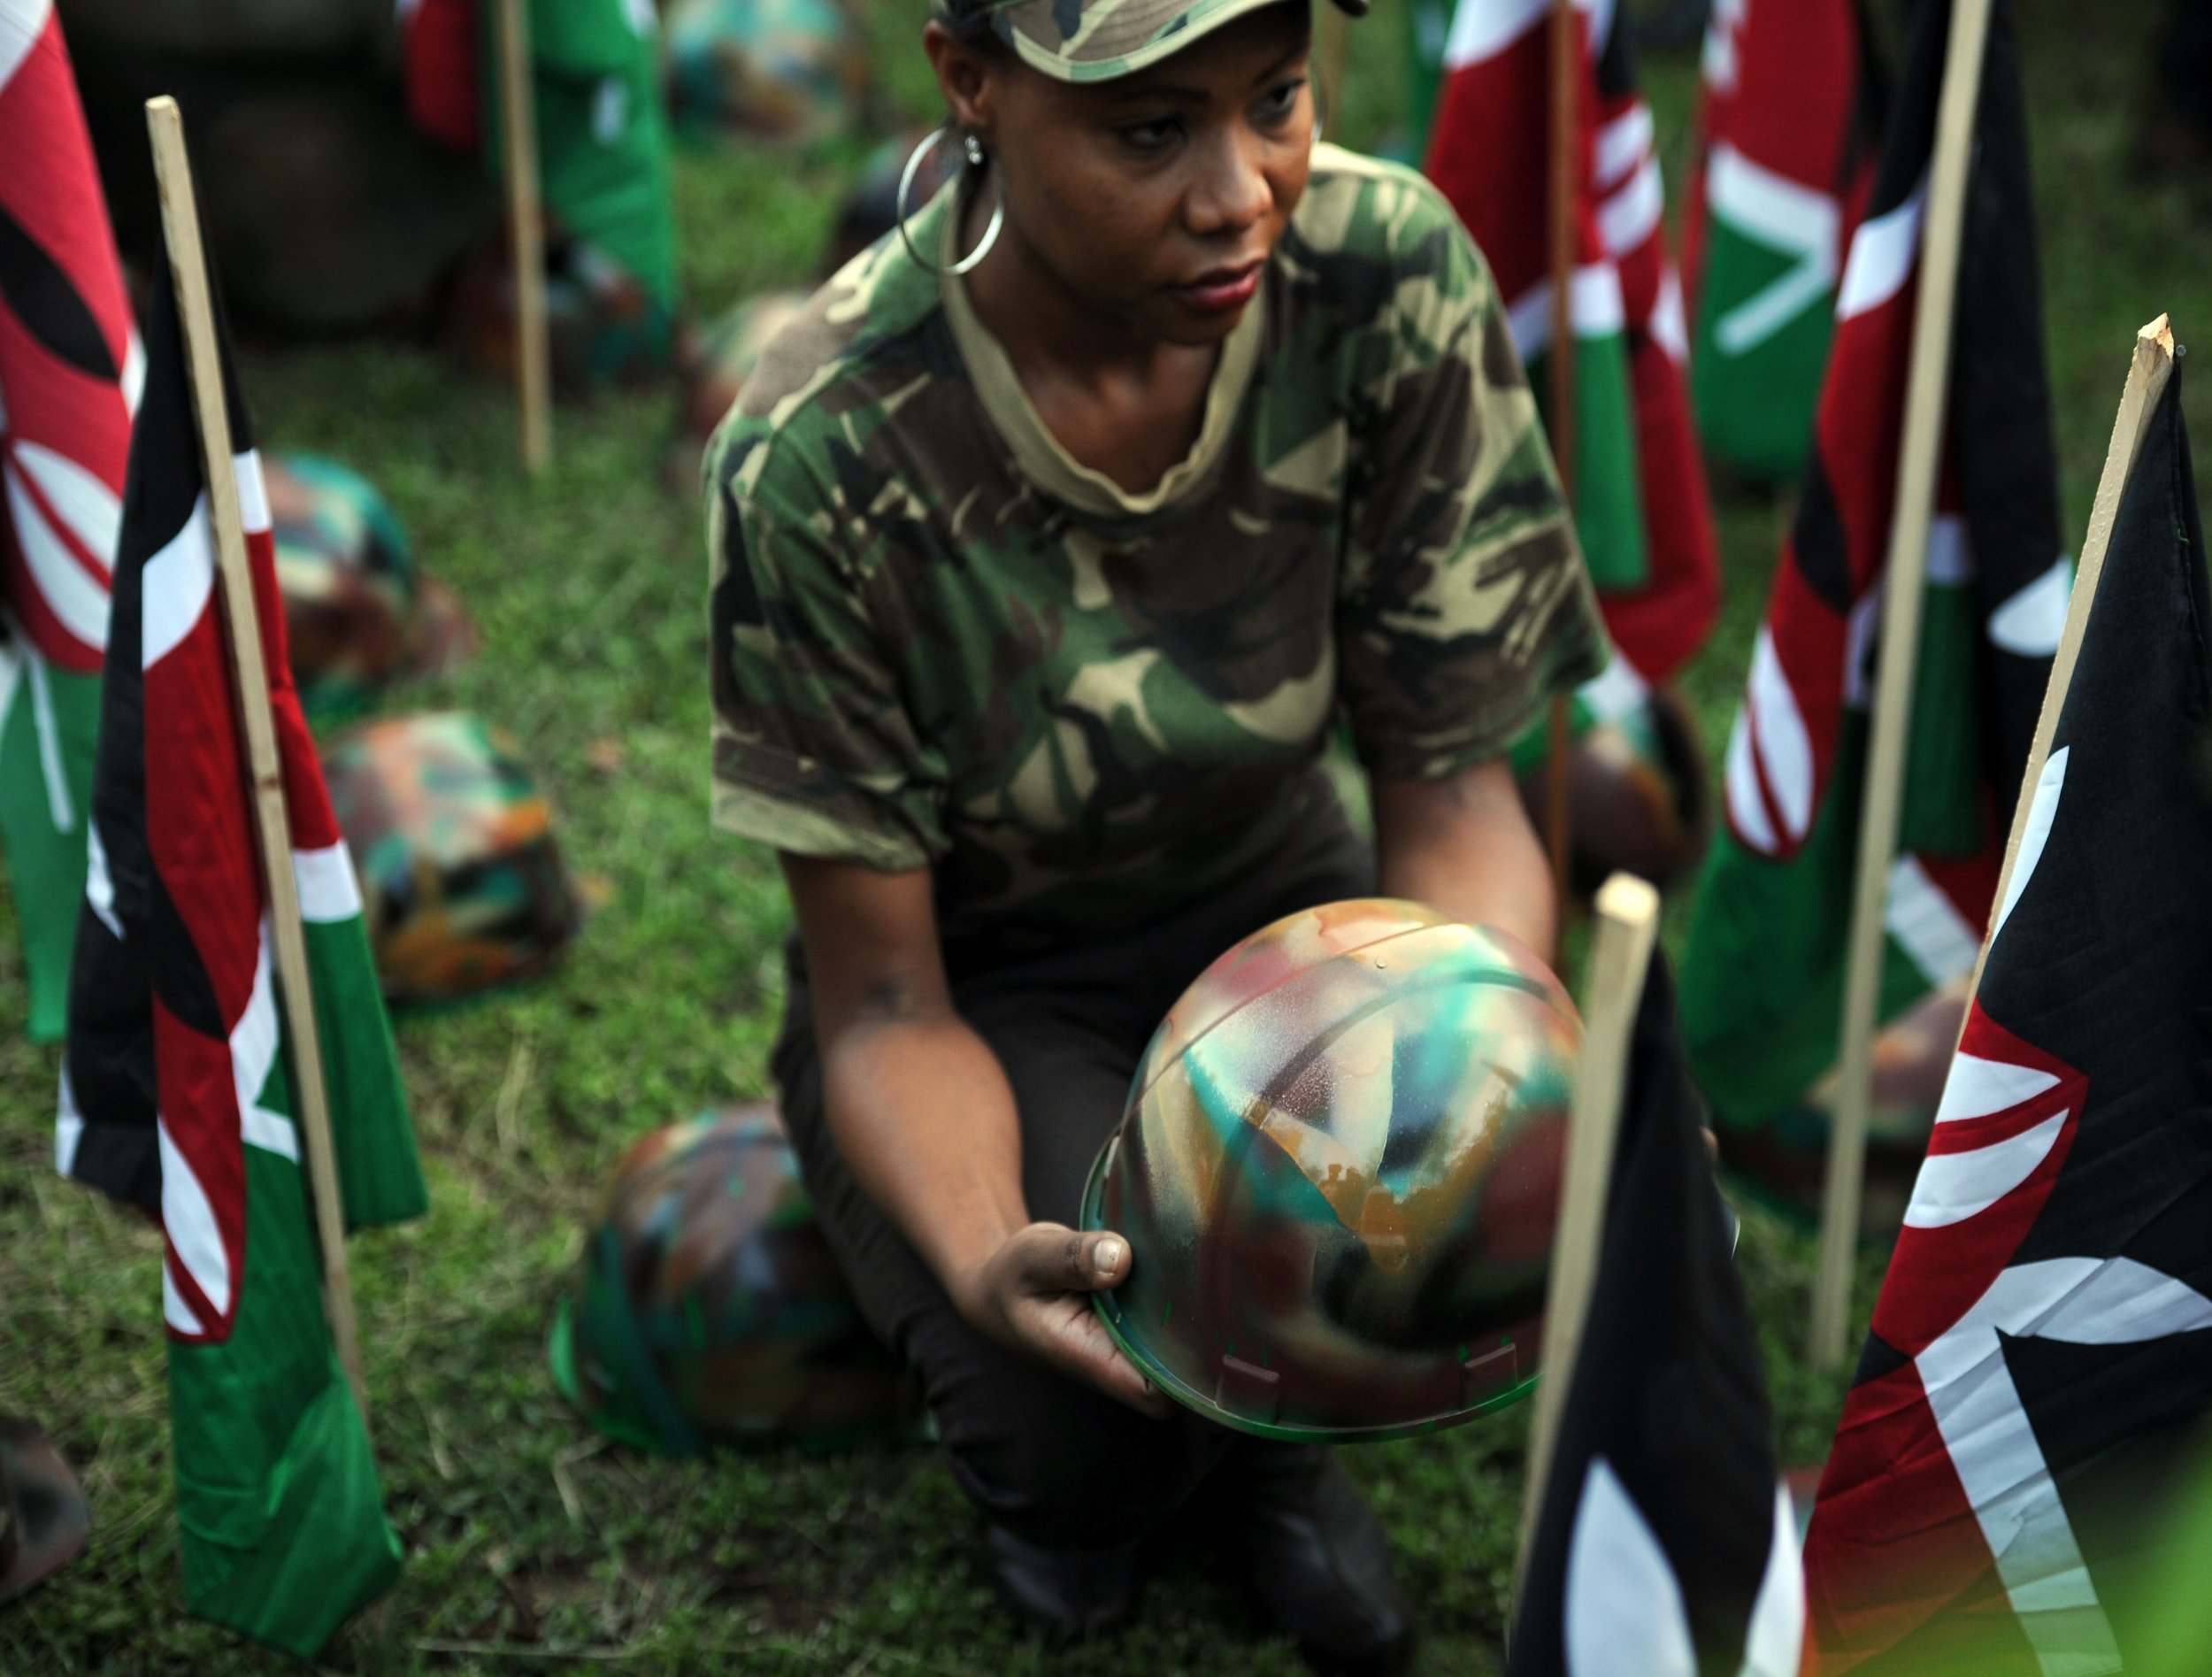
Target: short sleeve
x,y
814,750
1466,605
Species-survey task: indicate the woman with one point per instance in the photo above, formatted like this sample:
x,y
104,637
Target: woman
x,y
1051,544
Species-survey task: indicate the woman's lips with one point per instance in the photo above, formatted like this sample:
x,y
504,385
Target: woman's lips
x,y
1221,291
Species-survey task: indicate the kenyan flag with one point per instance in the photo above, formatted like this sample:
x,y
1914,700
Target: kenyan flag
x,y
1640,507
177,1086
1762,977
69,369
1786,134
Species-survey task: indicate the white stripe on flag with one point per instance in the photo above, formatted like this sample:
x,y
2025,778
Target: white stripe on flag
x,y
254,1043
1623,1606
2033,622
179,582
61,808
1975,1087
99,884
1952,1187
1633,214
1718,62
1623,143
1595,303
21,22
1669,328
88,506
1778,729
1775,1640
1927,925
1615,691
1771,209
253,492
2050,787
194,1240
328,890
1747,808
133,372
68,1124
70,592
1950,561
1881,255
11,663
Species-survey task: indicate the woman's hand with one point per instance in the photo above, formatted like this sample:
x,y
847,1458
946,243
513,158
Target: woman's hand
x,y
1033,1295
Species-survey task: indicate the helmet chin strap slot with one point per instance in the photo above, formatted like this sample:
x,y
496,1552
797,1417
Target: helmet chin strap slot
x,y
1491,1372
1243,1389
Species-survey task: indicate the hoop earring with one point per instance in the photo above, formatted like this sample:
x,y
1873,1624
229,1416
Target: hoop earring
x,y
968,263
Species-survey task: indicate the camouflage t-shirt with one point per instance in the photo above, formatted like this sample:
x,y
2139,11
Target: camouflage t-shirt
x,y
939,640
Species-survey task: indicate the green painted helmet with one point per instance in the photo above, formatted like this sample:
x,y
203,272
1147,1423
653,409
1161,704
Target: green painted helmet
x,y
1338,1175
708,1306
791,71
462,884
357,614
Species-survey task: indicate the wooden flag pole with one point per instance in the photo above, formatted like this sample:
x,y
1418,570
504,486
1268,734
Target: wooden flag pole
x,y
272,824
2147,372
1563,152
526,237
1921,450
1620,955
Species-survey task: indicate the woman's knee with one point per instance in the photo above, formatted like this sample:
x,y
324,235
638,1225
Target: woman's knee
x,y
1064,1467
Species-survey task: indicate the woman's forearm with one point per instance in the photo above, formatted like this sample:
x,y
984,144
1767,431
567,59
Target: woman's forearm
x,y
1465,846
923,1117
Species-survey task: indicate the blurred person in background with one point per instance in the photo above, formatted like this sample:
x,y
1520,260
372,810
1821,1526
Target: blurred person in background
x,y
1051,544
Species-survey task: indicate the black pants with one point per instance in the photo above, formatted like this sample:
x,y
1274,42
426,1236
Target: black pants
x,y
1056,1463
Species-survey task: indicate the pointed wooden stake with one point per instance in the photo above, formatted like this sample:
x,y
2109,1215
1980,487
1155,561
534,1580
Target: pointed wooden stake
x,y
1927,392
1620,956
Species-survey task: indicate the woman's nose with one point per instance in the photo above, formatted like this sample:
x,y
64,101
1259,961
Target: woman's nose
x,y
1231,191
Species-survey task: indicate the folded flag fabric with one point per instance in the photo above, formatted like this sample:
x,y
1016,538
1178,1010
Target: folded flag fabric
x,y
1763,975
1640,505
1664,1543
70,366
2039,1371
1789,122
177,1080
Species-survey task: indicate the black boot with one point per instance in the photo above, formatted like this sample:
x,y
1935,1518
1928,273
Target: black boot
x,y
1070,1595
1316,1558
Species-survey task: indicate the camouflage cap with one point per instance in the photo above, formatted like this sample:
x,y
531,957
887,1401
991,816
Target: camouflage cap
x,y
1098,40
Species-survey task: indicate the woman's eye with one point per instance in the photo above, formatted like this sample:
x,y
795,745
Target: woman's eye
x,y
1154,135
1279,103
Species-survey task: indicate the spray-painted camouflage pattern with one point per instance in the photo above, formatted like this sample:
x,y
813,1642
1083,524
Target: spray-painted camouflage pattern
x,y
708,1306
1097,40
1083,719
462,884
357,613
1338,1176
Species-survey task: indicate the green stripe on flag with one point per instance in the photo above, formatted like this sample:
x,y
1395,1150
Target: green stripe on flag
x,y
379,1173
1761,992
282,1523
1765,317
1608,493
46,748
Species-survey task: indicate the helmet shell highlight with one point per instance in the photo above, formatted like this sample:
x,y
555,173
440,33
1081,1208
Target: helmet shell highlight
x,y
1339,1174
709,1307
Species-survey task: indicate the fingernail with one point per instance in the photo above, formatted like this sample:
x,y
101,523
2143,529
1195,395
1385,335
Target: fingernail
x,y
1107,1256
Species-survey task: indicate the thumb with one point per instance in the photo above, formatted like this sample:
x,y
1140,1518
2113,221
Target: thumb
x,y
1062,1260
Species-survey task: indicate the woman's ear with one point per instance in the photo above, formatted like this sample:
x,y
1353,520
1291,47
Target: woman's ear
x,y
966,77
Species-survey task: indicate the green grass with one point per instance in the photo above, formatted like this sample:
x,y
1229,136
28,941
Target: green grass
x,y
531,1546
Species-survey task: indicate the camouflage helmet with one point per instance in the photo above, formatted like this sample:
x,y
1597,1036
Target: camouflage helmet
x,y
1338,1176
462,884
775,70
709,1307
1098,40
357,614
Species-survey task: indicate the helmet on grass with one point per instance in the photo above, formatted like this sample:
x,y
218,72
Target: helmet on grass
x,y
1339,1173
709,1305
462,884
